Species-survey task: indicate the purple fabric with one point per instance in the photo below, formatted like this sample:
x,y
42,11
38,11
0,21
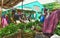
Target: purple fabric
x,y
51,22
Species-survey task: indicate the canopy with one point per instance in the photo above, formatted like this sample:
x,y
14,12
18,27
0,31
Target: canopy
x,y
9,3
31,6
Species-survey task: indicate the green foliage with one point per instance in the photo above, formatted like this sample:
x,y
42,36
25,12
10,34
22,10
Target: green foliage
x,y
36,23
57,31
8,30
27,30
13,28
29,25
52,6
21,26
38,28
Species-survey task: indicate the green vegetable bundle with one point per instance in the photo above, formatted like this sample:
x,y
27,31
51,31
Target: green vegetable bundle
x,y
57,31
10,29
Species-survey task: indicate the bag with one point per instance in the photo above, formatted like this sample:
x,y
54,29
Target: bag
x,y
42,18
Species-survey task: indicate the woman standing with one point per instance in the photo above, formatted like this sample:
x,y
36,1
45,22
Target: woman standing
x,y
4,21
46,14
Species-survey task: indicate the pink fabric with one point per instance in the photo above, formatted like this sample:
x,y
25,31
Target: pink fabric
x,y
50,23
4,22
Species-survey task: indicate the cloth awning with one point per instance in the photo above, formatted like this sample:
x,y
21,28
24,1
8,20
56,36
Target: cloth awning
x,y
31,6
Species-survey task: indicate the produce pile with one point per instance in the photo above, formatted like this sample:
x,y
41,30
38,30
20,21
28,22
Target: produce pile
x,y
57,31
12,28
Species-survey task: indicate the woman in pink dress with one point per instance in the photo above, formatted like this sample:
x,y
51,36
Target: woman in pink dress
x,y
4,22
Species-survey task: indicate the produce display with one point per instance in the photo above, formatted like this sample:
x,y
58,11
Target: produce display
x,y
28,30
9,30
12,28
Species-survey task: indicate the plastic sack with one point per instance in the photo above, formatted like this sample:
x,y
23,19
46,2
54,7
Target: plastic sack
x,y
42,18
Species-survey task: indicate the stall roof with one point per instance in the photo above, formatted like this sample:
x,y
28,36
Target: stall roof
x,y
9,3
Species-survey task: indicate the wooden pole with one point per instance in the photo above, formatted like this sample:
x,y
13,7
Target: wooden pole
x,y
1,11
0,14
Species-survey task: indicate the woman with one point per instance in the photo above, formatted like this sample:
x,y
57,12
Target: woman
x,y
46,14
4,21
7,18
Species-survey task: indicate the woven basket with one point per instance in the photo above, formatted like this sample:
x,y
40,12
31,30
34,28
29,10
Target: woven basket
x,y
28,35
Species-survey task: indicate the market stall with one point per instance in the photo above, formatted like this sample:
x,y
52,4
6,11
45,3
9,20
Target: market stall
x,y
24,21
